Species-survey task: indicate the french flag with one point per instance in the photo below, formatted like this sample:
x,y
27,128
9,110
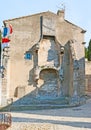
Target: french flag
x,y
10,28
5,40
4,45
7,30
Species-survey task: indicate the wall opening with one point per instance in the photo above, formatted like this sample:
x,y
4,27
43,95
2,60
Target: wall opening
x,y
48,83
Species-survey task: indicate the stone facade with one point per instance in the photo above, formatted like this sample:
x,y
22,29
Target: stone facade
x,y
88,77
55,66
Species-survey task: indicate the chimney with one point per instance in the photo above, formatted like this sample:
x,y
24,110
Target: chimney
x,y
61,14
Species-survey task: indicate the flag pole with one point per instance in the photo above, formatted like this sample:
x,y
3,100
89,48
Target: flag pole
x,y
1,69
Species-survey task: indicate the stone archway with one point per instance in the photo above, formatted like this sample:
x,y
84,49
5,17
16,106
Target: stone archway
x,y
48,83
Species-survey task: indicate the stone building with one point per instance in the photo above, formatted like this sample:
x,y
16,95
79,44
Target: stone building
x,y
88,77
45,60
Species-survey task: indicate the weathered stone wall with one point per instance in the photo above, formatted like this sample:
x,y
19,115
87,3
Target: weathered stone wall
x,y
48,83
26,33
48,53
68,71
88,76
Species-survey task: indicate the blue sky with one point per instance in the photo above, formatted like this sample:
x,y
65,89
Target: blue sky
x,y
76,11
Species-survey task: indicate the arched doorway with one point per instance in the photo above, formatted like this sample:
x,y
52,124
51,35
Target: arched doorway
x,y
48,83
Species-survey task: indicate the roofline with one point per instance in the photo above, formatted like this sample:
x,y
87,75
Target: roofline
x,y
28,16
83,31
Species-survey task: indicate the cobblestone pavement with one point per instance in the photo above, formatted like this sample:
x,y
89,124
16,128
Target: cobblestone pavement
x,y
76,118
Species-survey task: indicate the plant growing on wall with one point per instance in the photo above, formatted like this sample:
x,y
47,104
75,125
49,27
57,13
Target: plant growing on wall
x,y
86,52
89,51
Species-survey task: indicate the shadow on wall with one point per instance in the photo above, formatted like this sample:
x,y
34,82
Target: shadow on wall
x,y
31,101
46,93
35,101
48,83
31,77
22,88
75,67
88,84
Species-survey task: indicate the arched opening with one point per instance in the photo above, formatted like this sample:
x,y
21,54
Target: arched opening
x,y
48,83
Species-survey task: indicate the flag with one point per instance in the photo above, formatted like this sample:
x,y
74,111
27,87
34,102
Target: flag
x,y
7,30
5,45
5,40
10,28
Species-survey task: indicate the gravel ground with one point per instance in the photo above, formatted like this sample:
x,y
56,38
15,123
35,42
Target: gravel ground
x,y
76,118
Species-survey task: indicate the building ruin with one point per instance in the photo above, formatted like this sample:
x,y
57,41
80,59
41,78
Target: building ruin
x,y
45,60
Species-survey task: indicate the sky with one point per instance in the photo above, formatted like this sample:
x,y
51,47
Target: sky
x,y
76,11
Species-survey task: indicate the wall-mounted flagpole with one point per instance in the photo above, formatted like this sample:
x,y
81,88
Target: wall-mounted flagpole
x,y
4,41
1,68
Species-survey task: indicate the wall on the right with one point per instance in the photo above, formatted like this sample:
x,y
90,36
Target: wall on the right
x,y
88,76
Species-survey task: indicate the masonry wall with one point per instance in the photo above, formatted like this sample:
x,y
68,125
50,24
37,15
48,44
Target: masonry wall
x,y
26,33
88,76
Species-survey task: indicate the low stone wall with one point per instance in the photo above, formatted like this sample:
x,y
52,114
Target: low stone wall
x,y
88,76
